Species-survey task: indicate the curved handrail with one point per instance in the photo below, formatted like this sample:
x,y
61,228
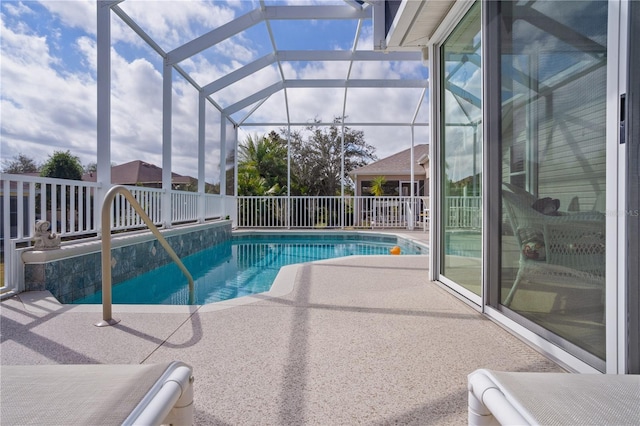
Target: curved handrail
x,y
107,319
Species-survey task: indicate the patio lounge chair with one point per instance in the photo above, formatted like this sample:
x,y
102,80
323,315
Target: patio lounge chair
x,y
97,394
564,249
553,398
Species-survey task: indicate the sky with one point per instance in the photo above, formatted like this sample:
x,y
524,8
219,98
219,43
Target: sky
x,y
48,92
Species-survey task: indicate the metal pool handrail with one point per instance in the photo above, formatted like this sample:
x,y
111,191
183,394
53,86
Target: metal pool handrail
x,y
107,318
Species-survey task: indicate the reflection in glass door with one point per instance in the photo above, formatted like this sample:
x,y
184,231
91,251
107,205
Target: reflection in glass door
x,y
553,90
461,192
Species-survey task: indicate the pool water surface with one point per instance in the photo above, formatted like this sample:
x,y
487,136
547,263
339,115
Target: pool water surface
x,y
239,267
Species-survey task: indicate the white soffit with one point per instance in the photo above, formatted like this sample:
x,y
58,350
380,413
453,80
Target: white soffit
x,y
416,22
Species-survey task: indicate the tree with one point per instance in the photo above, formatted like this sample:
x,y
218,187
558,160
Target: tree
x,y
62,165
20,164
91,168
377,186
262,166
317,162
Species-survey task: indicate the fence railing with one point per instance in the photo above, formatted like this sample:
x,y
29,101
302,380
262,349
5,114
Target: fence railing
x,y
72,208
329,212
68,205
463,212
350,211
123,215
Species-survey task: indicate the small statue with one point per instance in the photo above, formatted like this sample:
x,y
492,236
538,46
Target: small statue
x,y
44,239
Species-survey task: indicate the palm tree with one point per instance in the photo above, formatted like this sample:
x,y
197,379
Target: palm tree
x,y
377,186
262,166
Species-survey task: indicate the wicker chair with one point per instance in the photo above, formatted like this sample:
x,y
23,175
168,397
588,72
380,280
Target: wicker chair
x,y
567,250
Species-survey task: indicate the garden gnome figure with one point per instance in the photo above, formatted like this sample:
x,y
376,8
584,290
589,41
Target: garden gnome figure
x,y
44,239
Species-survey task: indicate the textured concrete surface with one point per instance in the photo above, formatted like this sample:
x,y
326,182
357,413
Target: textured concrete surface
x,y
360,340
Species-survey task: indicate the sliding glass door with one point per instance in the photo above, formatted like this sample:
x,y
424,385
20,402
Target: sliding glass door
x,y
553,91
461,139
633,191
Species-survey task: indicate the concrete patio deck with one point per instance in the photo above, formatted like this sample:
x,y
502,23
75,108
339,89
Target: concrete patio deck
x,y
359,340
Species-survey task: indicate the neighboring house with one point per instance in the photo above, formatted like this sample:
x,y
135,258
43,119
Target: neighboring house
x,y
396,169
141,173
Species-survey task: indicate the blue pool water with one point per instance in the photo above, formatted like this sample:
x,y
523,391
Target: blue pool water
x,y
242,266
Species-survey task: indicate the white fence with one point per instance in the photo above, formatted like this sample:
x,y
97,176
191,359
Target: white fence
x,y
330,212
358,212
68,205
72,209
463,212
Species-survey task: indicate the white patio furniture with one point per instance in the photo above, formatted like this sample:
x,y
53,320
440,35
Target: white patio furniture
x,y
566,250
521,398
144,394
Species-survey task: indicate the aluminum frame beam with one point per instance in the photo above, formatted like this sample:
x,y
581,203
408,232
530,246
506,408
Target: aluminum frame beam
x,y
256,16
265,14
305,55
355,4
346,55
138,30
239,74
306,84
362,83
214,37
250,100
321,123
356,10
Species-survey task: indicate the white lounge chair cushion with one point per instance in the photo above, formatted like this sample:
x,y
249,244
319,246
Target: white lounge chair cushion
x,y
74,394
564,399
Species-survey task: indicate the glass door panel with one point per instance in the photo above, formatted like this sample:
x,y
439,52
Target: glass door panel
x,y
633,190
553,88
461,190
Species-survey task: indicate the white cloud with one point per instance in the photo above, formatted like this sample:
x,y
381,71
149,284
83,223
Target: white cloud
x,y
230,48
17,9
48,107
75,14
173,23
40,106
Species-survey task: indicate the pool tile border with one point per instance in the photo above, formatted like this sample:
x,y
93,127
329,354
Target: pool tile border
x,y
79,274
73,272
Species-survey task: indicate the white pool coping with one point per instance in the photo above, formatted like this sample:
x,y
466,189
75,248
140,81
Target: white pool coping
x,y
44,301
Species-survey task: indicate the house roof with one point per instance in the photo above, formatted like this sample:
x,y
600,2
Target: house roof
x,y
138,172
396,164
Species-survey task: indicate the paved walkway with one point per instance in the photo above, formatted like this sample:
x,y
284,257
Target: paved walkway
x,y
360,340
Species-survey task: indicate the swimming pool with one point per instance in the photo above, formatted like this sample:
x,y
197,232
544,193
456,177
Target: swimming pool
x,y
244,265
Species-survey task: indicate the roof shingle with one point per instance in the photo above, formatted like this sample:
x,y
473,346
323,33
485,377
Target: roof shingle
x,y
396,164
138,172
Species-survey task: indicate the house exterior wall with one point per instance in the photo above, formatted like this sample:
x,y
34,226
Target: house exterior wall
x,y
580,182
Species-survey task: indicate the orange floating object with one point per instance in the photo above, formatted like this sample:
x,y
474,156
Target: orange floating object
x,y
395,250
